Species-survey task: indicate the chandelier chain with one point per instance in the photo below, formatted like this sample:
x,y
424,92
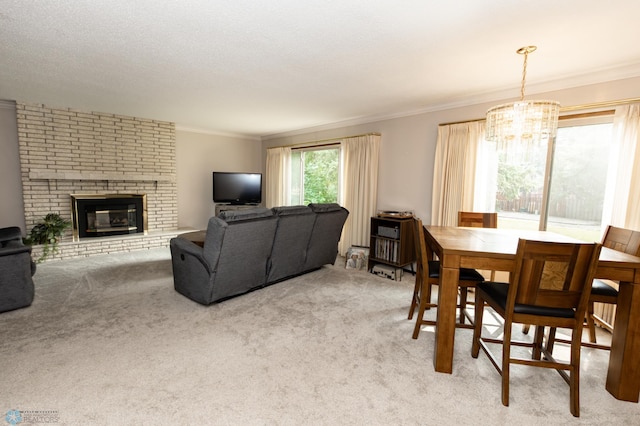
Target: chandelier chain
x,y
524,74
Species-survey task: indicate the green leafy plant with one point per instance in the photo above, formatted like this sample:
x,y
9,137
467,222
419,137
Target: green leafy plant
x,y
48,233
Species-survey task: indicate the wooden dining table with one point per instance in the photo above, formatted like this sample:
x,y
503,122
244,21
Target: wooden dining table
x,y
495,249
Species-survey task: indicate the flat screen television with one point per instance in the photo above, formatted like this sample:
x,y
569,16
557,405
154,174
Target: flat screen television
x,y
237,188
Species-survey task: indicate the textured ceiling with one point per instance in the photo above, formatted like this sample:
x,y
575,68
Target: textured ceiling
x,y
259,68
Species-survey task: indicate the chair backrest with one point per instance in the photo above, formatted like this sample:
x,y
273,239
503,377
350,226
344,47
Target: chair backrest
x,y
621,239
478,219
422,258
555,275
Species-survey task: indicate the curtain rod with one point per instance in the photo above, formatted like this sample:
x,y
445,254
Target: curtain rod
x,y
322,142
603,104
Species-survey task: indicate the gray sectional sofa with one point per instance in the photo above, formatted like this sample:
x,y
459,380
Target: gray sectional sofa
x,y
17,268
248,249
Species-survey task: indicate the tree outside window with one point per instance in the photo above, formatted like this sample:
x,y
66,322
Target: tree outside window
x,y
315,176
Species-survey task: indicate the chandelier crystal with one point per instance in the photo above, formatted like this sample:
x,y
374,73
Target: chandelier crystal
x,y
523,121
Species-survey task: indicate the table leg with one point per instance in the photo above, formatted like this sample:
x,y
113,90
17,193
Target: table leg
x,y
446,318
623,377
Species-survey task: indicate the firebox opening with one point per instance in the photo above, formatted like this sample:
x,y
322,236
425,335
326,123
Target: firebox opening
x,y
102,215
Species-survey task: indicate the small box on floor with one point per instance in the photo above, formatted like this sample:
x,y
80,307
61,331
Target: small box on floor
x,y
388,272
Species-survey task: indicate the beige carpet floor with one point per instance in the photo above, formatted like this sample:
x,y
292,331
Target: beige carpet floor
x,y
108,341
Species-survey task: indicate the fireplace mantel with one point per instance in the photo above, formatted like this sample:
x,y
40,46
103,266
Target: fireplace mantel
x,y
114,176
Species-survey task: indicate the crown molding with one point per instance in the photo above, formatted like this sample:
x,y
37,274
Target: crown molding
x,y
4,104
599,76
216,133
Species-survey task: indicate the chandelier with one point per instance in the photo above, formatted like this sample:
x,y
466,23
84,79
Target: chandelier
x,y
523,121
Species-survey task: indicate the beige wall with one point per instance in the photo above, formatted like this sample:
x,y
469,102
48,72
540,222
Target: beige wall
x,y
405,169
408,144
11,203
197,156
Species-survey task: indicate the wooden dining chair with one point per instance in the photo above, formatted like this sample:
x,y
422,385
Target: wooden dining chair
x,y
428,275
620,239
549,287
478,219
421,263
468,277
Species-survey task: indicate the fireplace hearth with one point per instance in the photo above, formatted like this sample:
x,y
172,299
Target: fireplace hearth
x,y
104,215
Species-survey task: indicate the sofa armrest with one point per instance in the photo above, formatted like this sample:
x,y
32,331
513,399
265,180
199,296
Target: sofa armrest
x,y
9,234
188,248
192,275
11,249
16,282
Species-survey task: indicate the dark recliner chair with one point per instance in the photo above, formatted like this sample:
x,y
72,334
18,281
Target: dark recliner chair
x,y
233,260
16,271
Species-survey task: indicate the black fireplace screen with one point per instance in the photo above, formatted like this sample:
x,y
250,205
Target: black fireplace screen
x,y
107,215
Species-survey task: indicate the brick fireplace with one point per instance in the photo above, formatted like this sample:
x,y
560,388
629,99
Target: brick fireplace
x,y
66,151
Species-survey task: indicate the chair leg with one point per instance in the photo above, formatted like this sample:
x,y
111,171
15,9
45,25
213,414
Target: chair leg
x,y
506,364
590,323
537,342
415,299
477,329
574,378
463,303
425,288
551,339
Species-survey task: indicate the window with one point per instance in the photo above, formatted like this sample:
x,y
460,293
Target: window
x,y
315,175
560,188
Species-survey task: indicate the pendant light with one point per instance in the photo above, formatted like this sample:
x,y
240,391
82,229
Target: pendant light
x,y
523,121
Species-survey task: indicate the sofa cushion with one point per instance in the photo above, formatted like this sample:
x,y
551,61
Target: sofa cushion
x,y
328,207
291,210
246,214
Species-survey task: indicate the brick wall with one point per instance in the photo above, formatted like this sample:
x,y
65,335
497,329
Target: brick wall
x,y
65,151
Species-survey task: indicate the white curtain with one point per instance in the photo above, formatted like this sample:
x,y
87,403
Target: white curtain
x,y
359,188
622,195
454,172
278,179
485,184
622,199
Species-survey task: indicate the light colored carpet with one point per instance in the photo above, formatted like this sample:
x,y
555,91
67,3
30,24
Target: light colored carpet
x,y
108,341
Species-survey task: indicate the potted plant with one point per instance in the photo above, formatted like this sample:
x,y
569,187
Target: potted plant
x,y
48,233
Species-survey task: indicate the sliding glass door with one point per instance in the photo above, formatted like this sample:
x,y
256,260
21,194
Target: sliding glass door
x,y
558,187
